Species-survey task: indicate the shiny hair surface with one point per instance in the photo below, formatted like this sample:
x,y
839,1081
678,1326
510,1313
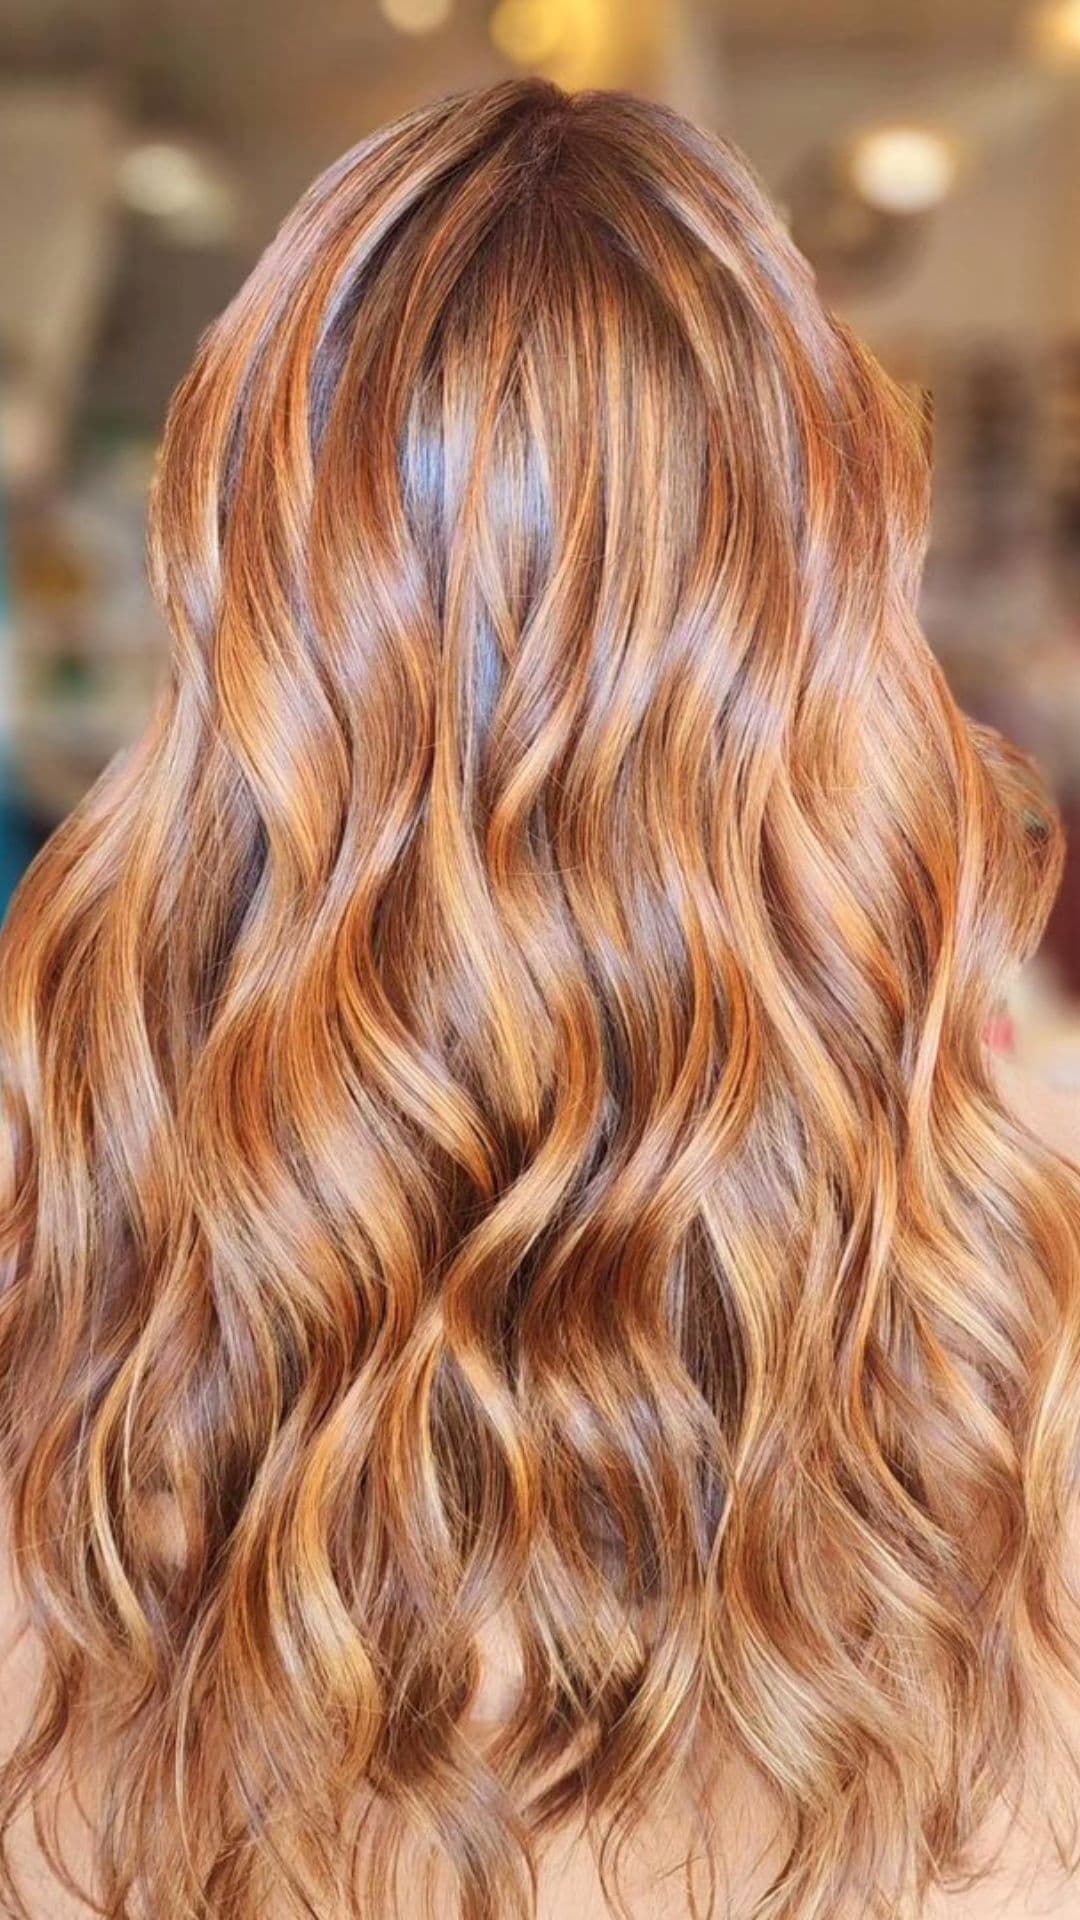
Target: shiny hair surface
x,y
497,1123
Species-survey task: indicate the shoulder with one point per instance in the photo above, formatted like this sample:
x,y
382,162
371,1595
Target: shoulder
x,y
1050,1110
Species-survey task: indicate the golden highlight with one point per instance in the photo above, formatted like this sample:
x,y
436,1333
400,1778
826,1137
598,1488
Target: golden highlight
x,y
498,1131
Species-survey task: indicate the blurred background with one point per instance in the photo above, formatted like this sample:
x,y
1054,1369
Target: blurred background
x,y
925,152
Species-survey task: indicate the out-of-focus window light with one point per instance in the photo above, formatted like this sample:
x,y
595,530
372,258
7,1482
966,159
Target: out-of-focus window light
x,y
416,16
903,170
528,32
1055,32
179,188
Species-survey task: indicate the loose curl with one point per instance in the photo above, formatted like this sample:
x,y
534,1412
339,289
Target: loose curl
x,y
497,1120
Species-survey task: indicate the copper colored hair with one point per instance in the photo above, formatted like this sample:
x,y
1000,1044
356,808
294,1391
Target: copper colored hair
x,y
497,1121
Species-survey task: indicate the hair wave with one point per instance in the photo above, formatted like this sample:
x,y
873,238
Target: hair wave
x,y
497,1120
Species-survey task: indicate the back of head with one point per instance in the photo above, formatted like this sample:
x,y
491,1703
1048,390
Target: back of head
x,y
497,1119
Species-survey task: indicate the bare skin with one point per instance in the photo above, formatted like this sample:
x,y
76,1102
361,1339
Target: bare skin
x,y
1025,1881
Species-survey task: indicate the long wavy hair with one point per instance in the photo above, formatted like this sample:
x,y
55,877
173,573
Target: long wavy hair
x,y
498,1134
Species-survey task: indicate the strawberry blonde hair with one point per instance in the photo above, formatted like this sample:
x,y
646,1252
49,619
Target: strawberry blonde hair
x,y
497,1121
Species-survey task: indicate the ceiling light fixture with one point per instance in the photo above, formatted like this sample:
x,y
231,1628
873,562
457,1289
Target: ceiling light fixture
x,y
528,32
903,170
416,16
1055,32
180,188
